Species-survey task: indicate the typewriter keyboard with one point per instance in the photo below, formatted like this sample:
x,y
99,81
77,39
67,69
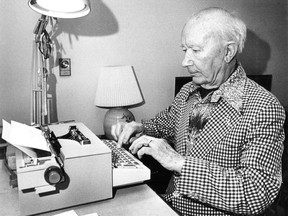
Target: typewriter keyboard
x,y
121,158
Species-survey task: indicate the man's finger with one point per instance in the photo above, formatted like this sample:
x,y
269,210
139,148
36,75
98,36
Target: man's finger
x,y
145,150
113,132
139,143
118,129
132,139
120,140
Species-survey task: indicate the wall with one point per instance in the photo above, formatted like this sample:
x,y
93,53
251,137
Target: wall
x,y
145,34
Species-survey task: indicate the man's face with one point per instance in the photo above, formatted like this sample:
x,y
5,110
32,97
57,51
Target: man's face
x,y
204,56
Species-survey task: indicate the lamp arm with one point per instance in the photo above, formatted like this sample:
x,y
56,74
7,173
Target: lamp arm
x,y
39,90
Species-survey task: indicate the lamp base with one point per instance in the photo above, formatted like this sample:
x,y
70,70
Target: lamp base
x,y
115,115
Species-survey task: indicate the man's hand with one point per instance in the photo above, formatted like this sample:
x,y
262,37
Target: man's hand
x,y
123,132
160,150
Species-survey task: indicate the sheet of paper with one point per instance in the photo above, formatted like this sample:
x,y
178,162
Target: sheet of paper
x,y
6,136
23,136
73,213
92,214
27,136
67,213
6,130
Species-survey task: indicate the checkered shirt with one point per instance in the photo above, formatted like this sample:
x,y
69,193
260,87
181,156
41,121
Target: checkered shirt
x,y
234,166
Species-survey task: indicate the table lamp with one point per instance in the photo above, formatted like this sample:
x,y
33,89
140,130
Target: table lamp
x,y
117,89
50,10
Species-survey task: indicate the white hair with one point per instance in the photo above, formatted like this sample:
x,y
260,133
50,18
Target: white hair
x,y
223,24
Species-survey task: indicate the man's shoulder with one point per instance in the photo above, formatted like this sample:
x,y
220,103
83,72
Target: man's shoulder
x,y
186,90
258,95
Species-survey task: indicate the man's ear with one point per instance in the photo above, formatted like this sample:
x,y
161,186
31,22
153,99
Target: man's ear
x,y
231,51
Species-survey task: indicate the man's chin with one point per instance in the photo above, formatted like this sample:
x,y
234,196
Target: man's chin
x,y
203,83
198,80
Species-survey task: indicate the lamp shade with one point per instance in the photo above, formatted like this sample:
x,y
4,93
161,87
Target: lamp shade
x,y
61,8
117,87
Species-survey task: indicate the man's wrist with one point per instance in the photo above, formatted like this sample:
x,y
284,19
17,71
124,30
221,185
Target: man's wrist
x,y
143,129
179,165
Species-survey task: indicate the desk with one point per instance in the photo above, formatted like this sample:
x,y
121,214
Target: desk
x,y
137,200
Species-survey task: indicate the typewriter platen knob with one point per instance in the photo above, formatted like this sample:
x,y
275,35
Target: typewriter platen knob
x,y
53,175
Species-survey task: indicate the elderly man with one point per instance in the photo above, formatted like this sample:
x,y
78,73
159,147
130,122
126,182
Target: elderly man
x,y
223,134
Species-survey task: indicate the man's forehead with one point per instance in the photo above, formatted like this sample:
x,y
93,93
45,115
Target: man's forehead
x,y
200,25
196,33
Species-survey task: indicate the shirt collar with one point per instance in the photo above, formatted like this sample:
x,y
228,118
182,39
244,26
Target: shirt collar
x,y
232,90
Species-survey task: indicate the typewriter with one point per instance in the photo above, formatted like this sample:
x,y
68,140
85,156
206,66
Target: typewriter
x,y
78,168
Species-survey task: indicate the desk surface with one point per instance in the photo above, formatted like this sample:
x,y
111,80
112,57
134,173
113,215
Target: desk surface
x,y
137,200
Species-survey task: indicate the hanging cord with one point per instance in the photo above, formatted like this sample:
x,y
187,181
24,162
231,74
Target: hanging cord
x,y
45,45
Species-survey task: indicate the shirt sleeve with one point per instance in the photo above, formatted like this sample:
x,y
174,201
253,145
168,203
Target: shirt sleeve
x,y
163,125
253,185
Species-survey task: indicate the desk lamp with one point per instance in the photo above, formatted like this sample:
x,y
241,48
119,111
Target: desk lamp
x,y
117,89
50,11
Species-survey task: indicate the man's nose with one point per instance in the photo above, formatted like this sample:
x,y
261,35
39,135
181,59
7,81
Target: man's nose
x,y
187,61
